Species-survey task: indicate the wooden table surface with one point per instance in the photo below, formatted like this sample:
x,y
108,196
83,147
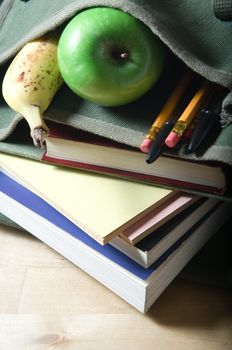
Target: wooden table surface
x,y
48,303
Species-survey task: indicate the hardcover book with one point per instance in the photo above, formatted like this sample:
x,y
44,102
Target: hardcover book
x,y
71,147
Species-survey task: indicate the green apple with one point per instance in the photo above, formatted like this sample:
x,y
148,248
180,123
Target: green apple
x,y
109,57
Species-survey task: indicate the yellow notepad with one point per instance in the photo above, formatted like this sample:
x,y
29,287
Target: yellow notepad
x,y
100,205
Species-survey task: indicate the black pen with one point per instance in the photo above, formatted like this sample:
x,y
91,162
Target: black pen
x,y
158,143
206,120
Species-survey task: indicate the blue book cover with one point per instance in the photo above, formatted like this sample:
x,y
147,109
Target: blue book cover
x,y
39,206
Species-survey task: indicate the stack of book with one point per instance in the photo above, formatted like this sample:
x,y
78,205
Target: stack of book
x,y
132,237
131,225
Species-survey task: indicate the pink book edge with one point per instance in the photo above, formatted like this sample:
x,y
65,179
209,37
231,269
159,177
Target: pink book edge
x,y
156,218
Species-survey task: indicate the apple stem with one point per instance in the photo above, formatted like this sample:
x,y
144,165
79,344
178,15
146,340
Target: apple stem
x,y
120,55
123,55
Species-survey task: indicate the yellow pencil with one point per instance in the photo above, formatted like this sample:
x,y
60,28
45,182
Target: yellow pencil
x,y
167,111
189,113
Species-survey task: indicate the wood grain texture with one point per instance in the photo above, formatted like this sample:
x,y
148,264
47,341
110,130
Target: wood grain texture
x,y
47,303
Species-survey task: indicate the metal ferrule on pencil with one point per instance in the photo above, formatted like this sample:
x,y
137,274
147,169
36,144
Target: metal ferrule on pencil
x,y
154,130
179,127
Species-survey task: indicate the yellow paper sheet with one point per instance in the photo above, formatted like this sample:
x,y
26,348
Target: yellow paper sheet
x,y
98,204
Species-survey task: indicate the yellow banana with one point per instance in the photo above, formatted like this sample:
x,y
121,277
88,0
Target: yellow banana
x,y
31,82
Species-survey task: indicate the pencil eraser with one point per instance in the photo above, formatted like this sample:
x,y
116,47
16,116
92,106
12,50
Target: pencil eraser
x,y
172,140
146,145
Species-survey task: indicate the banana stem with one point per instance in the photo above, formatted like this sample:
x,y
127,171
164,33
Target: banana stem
x,y
34,117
